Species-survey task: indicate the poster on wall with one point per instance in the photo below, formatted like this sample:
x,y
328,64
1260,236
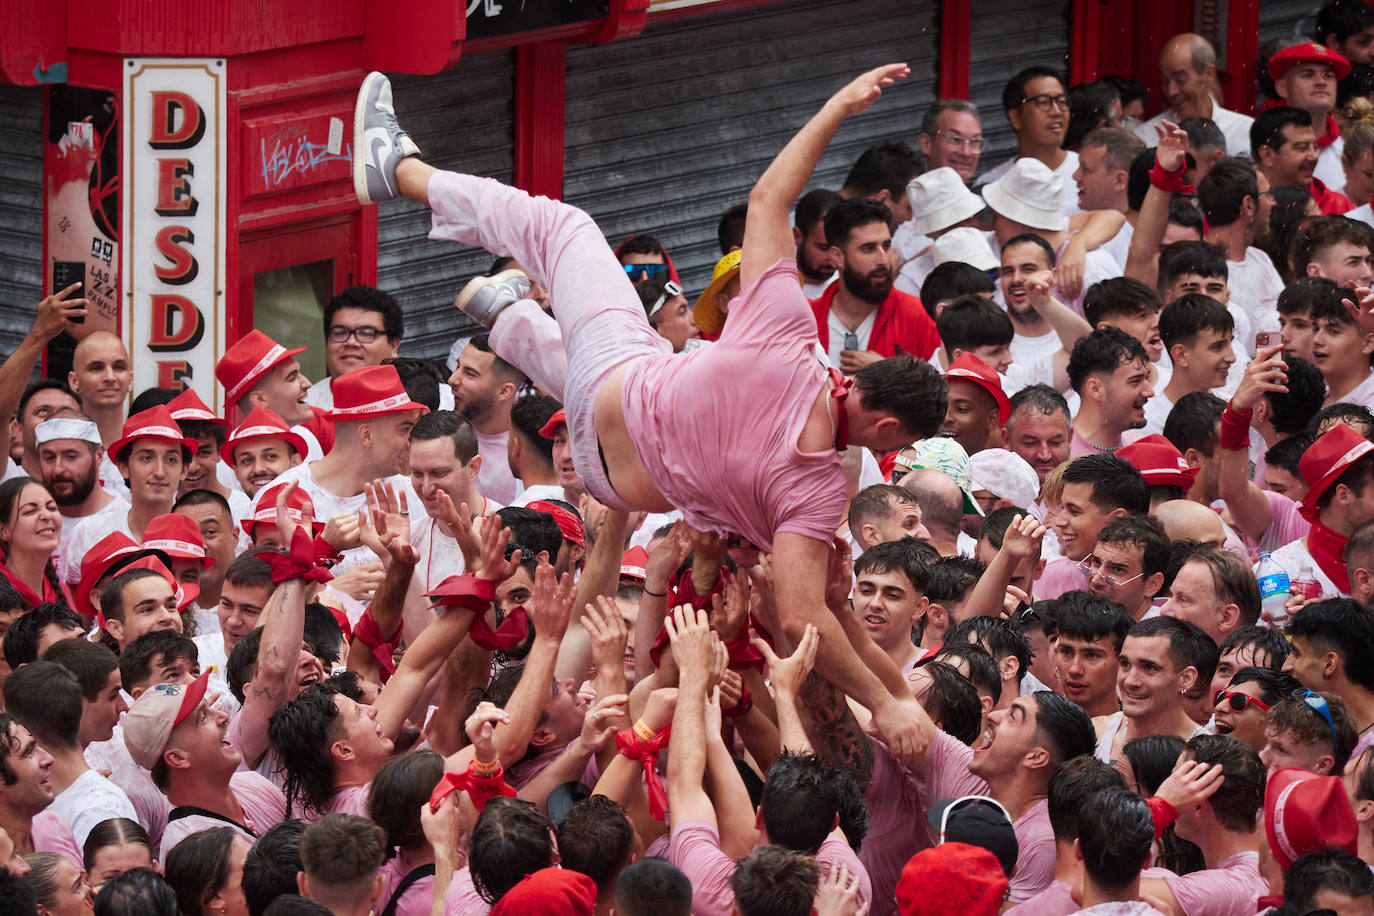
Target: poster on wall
x,y
81,184
175,149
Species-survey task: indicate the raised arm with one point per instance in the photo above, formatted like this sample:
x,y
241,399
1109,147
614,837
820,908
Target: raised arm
x,y
703,659
600,577
767,232
1249,507
787,676
55,314
1067,324
1021,542
1142,261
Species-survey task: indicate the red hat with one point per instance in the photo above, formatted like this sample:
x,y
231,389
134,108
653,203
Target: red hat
x,y
153,423
550,429
1309,52
1159,461
632,564
550,892
569,524
972,369
1326,460
266,509
102,556
371,391
952,878
1304,812
261,423
178,536
189,406
245,363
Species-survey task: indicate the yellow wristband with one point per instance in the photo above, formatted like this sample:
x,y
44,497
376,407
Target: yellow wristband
x,y
644,732
486,768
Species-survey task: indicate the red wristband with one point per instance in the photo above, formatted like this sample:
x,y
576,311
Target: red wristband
x,y
630,745
480,788
1235,429
298,563
1171,182
1163,814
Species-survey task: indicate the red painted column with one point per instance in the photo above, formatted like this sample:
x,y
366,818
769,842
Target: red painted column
x,y
1085,49
956,39
540,89
1242,54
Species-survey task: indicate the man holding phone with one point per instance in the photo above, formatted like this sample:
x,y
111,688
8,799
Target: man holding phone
x,y
54,314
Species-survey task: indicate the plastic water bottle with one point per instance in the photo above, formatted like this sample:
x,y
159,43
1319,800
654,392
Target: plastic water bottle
x,y
1273,585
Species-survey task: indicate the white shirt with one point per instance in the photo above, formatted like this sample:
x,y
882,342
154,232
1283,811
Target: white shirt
x,y
495,478
440,556
1329,170
1234,126
1119,245
1030,350
210,654
535,492
908,242
813,290
1364,213
113,757
1098,265
12,470
90,799
913,274
1296,560
1362,394
206,619
93,528
111,480
1156,412
1255,285
838,332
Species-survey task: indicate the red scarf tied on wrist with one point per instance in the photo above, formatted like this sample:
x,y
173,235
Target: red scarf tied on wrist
x,y
476,594
633,747
481,789
298,563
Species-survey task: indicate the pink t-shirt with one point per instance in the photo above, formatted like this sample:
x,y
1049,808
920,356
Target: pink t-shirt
x,y
264,807
352,800
1055,900
894,806
695,848
731,465
1230,889
462,898
1286,524
50,832
417,898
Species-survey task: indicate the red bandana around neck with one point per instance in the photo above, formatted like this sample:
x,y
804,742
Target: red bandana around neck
x,y
1328,549
839,394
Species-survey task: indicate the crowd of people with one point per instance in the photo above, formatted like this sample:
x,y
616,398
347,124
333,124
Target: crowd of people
x,y
976,541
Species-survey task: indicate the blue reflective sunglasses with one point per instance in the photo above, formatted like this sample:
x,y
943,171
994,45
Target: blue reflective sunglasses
x,y
638,272
1318,702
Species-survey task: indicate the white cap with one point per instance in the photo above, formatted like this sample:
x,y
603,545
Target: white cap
x,y
1029,194
940,199
1006,475
964,244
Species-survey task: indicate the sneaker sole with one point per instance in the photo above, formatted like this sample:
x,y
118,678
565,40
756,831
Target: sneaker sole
x,y
360,152
479,283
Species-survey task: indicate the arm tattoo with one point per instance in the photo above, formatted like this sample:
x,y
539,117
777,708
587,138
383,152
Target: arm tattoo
x,y
833,730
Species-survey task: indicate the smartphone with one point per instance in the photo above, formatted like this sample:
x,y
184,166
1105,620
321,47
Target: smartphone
x,y
1267,339
64,274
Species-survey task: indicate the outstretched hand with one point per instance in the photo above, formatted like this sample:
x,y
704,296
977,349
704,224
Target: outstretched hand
x,y
494,564
385,526
1363,310
1266,373
864,90
787,674
1172,149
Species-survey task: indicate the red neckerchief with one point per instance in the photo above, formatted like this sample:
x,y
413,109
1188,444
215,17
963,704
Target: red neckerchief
x,y
1333,130
839,393
31,599
1327,548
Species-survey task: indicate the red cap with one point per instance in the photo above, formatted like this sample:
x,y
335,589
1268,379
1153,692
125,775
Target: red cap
x,y
569,524
1309,52
550,429
371,391
265,511
549,892
245,363
1327,459
972,369
261,423
633,563
178,536
99,559
1304,812
1159,461
952,878
153,423
189,406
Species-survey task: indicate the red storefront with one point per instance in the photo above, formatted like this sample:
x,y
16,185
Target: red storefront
x,y
208,191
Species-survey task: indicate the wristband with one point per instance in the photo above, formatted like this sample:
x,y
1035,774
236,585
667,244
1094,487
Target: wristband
x,y
655,594
1162,813
629,745
746,703
1171,182
369,634
475,594
326,554
299,563
1235,429
742,652
486,768
644,732
480,788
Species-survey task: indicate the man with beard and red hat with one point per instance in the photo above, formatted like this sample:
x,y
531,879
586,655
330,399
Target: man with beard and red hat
x,y
862,319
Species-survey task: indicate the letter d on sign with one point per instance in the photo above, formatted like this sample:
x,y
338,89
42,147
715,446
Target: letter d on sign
x,y
167,333
165,132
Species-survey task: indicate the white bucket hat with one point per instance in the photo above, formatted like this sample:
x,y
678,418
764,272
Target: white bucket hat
x,y
1029,194
964,244
940,199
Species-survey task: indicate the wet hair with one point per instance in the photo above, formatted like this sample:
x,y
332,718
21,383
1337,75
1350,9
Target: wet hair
x,y
912,558
1042,399
1030,238
952,279
250,570
1205,658
1322,232
1183,319
1014,93
1286,216
1143,531
1293,409
368,299
46,698
527,416
396,793
884,167
951,579
983,673
1329,869
877,501
340,850
996,523
1182,646
1126,296
1082,615
1101,353
1239,800
1268,129
953,702
1067,727
775,881
438,424
21,639
1203,134
1356,416
197,868
242,663
271,866
999,636
1192,422
136,661
1072,784
420,378
299,731
296,905
596,839
512,838
909,389
140,892
1292,714
1152,759
730,229
1222,192
1258,639
91,664
653,886
970,322
42,878
1117,831
1116,484
1189,258
802,797
1286,453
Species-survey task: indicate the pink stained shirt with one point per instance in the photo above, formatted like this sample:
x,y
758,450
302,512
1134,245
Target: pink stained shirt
x,y
264,807
50,832
1230,889
894,806
695,849
732,466
1060,575
1286,523
1055,900
462,898
417,899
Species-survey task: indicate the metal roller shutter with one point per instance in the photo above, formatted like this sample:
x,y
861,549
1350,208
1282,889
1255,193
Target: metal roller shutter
x,y
667,131
1009,36
1287,21
21,200
462,119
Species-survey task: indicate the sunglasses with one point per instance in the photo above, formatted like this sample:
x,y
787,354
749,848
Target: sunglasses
x,y
965,802
638,272
1237,702
1315,701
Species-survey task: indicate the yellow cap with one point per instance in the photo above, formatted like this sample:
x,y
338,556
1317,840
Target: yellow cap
x,y
706,313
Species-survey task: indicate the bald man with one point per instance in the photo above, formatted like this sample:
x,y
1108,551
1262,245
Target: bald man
x,y
942,507
1186,520
1188,73
102,374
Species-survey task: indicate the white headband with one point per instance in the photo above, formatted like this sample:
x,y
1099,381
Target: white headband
x,y
67,428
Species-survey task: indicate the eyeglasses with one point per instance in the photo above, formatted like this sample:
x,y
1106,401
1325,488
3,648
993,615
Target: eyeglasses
x,y
1316,701
971,143
1092,566
365,335
1048,102
965,802
1237,701
670,291
637,272
851,341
